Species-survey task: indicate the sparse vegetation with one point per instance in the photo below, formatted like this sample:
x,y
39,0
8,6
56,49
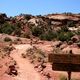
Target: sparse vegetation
x,y
71,24
36,55
7,28
36,31
48,36
42,31
65,36
25,35
7,39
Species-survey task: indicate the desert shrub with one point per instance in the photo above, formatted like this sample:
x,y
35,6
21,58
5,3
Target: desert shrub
x,y
78,32
36,55
71,24
43,36
65,36
7,39
8,49
17,32
17,29
64,29
25,35
48,36
36,31
7,28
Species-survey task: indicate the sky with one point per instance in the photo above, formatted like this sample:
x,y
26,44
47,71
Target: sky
x,y
38,7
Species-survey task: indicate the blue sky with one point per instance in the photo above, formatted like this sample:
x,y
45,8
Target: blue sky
x,y
37,7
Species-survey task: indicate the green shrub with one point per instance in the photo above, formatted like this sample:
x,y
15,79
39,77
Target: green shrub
x,y
7,39
17,32
78,32
65,36
17,29
48,36
36,55
25,35
64,29
7,28
36,31
71,24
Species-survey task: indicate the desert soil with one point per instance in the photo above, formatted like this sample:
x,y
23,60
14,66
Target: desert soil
x,y
26,69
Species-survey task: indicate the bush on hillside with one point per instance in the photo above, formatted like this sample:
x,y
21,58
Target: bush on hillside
x,y
7,28
36,31
48,36
71,24
7,39
65,36
78,32
36,55
17,29
64,29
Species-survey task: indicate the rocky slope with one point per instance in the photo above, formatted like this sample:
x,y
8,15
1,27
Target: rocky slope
x,y
26,25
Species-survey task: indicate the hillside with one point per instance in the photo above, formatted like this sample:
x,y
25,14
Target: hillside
x,y
47,27
27,40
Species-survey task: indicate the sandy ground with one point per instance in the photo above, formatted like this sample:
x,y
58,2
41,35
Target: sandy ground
x,y
26,69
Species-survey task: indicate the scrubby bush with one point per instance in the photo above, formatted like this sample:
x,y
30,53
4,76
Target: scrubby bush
x,y
7,28
71,24
78,32
25,35
48,36
36,31
36,55
7,39
64,29
65,36
17,29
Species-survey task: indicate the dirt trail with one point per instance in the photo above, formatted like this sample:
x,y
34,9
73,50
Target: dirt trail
x,y
26,69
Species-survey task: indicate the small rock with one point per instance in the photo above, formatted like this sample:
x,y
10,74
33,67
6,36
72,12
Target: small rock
x,y
12,70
